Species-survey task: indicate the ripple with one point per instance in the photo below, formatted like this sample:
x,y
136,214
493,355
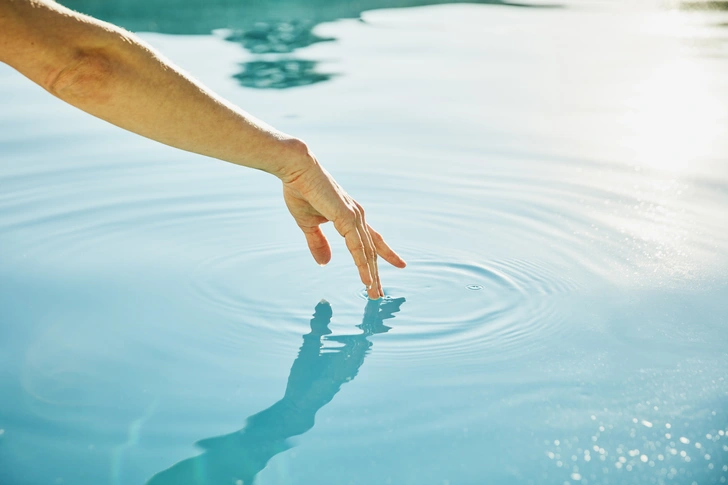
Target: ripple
x,y
513,307
263,281
453,308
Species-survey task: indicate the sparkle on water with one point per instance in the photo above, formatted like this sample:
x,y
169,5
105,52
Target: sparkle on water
x,y
556,178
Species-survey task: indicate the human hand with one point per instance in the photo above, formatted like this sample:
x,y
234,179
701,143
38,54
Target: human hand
x,y
313,197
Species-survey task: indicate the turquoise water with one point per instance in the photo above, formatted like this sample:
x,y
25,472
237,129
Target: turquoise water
x,y
557,179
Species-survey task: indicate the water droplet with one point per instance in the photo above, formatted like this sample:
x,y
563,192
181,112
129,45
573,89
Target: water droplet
x,y
474,287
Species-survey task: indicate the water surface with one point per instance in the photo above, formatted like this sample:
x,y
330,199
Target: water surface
x,y
557,180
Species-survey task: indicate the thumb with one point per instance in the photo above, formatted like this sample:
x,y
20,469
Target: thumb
x,y
318,244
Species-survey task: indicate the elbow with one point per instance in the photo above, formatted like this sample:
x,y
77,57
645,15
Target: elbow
x,y
86,79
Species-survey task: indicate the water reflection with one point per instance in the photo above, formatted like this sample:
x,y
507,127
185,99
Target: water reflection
x,y
277,37
280,74
704,5
200,17
262,27
280,38
316,376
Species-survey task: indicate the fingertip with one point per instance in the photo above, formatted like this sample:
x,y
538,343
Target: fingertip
x,y
322,258
318,245
394,260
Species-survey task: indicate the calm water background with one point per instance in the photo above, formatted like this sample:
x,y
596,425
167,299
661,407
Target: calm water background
x,y
557,179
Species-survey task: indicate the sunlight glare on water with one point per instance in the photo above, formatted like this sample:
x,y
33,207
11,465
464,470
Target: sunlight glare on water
x,y
556,178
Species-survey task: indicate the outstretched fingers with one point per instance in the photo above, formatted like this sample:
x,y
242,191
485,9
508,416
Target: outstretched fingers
x,y
385,251
371,253
315,198
355,245
359,244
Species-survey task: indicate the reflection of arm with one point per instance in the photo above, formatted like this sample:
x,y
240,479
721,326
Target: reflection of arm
x,y
242,454
314,379
113,75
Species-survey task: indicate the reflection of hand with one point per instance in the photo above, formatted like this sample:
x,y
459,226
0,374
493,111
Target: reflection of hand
x,y
313,197
314,380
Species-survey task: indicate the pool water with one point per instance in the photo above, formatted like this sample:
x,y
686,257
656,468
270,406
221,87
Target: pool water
x,y
556,178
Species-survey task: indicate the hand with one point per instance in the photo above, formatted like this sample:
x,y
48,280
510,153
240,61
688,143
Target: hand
x,y
313,197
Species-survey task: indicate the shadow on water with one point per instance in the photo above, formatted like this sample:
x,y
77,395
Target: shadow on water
x,y
316,376
263,27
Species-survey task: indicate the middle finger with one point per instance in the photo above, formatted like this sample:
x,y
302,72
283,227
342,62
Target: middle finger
x,y
371,255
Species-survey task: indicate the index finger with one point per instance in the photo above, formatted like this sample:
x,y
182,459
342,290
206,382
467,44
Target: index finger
x,y
355,245
371,254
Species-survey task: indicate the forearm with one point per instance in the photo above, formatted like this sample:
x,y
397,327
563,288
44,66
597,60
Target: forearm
x,y
113,75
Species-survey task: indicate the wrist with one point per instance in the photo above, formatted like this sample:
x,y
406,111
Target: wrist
x,y
295,160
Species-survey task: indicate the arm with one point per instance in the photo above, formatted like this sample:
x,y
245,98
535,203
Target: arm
x,y
113,75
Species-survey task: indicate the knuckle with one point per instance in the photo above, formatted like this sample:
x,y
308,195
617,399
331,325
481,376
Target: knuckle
x,y
359,208
356,247
351,211
371,254
344,226
350,218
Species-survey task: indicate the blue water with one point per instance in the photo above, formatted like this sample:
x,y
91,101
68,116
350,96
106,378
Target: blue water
x,y
557,179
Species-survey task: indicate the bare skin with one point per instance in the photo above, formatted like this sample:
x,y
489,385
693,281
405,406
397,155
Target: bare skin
x,y
113,75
